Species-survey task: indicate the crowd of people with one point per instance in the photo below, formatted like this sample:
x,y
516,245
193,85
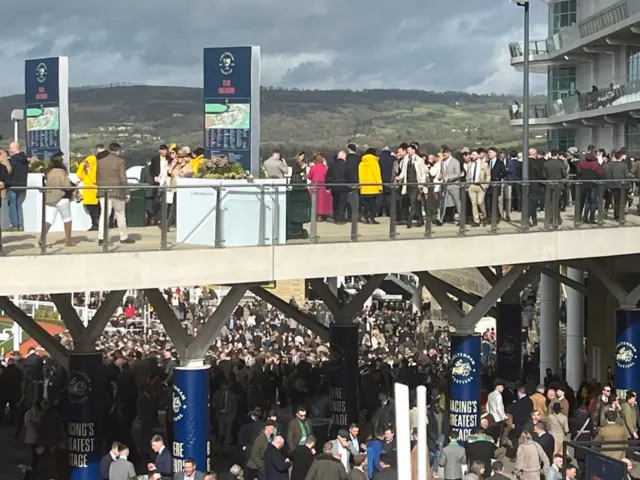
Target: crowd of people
x,y
274,421
413,185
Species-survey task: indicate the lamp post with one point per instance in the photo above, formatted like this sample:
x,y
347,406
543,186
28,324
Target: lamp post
x,y
525,117
17,116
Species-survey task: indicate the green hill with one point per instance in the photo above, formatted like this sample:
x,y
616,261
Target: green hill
x,y
142,117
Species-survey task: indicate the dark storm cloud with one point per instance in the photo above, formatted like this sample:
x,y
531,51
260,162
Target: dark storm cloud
x,y
425,44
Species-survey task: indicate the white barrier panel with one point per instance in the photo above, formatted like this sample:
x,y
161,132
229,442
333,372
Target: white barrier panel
x,y
403,431
423,454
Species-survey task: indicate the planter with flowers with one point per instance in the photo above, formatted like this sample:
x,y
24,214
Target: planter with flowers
x,y
252,211
32,206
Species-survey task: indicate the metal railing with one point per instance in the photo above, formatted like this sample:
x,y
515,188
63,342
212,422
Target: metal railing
x,y
567,204
605,18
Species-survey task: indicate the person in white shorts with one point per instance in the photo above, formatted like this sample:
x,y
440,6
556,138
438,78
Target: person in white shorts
x,y
57,199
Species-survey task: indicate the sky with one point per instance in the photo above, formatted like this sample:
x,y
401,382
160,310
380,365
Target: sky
x,y
326,44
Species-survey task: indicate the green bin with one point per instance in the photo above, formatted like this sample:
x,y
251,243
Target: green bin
x,y
135,208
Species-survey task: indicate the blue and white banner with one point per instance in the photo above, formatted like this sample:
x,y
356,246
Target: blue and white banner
x,y
232,104
464,395
509,344
46,99
627,347
191,417
85,428
343,346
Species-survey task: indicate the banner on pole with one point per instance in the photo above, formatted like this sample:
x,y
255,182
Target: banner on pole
x,y
627,346
509,344
343,346
85,428
464,398
191,418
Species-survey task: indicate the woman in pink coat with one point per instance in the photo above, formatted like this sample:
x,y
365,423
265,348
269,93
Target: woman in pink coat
x,y
317,176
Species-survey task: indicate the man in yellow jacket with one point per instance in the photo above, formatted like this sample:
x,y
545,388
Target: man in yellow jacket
x,y
87,174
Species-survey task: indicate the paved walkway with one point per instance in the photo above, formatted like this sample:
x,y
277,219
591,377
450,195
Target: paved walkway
x,y
148,238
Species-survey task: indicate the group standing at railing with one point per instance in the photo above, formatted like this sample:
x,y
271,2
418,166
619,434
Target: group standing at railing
x,y
415,188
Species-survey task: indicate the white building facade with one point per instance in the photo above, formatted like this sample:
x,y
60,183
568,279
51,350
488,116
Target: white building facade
x,y
592,61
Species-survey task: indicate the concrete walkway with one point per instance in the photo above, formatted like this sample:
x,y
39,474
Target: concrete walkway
x,y
14,453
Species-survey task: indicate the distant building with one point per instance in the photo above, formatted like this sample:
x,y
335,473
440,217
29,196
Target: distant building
x,y
591,43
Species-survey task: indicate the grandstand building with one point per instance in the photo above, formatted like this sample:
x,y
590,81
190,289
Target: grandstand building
x,y
591,57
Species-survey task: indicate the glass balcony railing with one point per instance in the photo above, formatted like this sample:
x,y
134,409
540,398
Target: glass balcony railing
x,y
539,110
606,97
536,47
571,35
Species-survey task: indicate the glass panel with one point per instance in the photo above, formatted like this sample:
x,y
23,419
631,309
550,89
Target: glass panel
x,y
632,139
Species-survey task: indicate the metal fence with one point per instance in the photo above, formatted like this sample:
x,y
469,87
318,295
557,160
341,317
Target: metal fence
x,y
564,205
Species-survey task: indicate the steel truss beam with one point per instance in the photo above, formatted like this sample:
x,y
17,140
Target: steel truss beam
x,y
508,286
577,286
469,298
289,310
35,331
84,338
346,314
190,348
627,300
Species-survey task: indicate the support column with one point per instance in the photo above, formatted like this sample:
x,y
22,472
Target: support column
x,y
508,341
416,299
85,426
549,324
575,330
332,283
464,395
191,415
626,353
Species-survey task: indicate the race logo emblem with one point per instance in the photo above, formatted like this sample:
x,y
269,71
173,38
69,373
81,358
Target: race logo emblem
x,y
41,72
179,403
227,63
509,348
79,387
463,368
626,354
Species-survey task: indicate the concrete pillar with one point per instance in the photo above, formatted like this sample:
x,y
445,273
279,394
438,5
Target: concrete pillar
x,y
601,311
343,345
549,324
416,300
575,331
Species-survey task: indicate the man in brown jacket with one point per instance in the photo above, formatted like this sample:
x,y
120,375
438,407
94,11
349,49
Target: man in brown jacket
x,y
111,172
612,432
299,429
539,400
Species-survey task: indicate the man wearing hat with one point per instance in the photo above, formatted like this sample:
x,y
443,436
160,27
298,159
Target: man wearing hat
x,y
359,464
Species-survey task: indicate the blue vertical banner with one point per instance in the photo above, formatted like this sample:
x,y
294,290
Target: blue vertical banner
x,y
343,380
627,345
232,105
46,99
85,426
464,395
509,341
191,437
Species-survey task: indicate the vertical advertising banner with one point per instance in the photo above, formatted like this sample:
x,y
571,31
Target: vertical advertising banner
x,y
627,346
508,342
86,412
191,417
464,395
232,105
343,346
46,104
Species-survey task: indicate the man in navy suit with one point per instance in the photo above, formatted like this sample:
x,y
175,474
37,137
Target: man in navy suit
x,y
164,461
108,459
